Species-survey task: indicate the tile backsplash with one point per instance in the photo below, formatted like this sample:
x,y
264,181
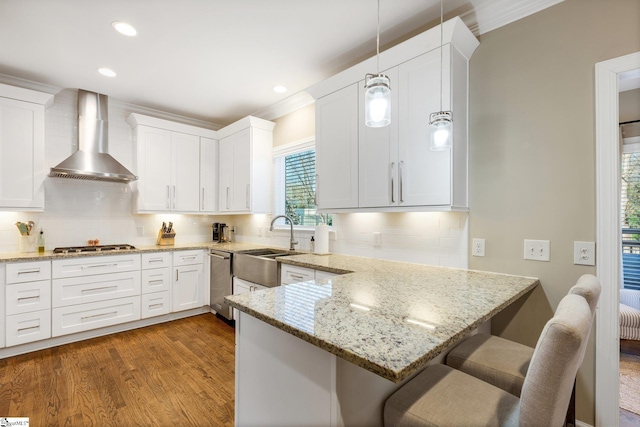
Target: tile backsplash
x,y
434,238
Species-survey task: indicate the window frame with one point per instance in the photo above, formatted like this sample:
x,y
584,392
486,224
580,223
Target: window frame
x,y
299,146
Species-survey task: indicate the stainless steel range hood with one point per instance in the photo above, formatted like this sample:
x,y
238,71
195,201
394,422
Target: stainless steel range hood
x,y
92,160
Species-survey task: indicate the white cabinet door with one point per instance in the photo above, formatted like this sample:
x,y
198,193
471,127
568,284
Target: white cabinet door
x,y
226,174
337,149
208,175
187,287
154,169
424,175
185,172
378,154
241,196
22,168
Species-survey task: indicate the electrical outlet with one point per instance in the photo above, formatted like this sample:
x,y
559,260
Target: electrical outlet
x,y
140,230
478,247
377,239
536,250
584,253
259,231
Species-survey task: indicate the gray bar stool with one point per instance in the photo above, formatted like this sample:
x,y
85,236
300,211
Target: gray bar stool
x,y
443,396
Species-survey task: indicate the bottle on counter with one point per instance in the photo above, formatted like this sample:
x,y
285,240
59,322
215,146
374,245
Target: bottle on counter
x,y
41,241
312,245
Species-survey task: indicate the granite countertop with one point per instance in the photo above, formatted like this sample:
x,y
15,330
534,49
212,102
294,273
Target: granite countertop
x,y
388,317
49,255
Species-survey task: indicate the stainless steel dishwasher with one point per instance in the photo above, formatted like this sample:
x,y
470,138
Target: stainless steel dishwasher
x,y
221,284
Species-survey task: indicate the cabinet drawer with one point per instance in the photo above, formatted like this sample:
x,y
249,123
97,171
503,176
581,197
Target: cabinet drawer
x,y
187,258
28,327
84,317
20,272
156,260
156,304
27,297
156,280
75,267
291,274
78,290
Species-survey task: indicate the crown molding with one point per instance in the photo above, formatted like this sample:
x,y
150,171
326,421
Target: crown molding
x,y
286,106
494,14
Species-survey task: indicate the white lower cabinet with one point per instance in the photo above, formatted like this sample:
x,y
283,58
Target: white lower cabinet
x,y
95,292
3,269
293,274
27,302
188,280
84,317
156,284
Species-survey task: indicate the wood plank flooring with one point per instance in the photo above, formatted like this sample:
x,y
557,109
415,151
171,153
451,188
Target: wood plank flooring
x,y
178,373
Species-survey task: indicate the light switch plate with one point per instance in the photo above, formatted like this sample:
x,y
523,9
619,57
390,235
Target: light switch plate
x,y
584,253
536,250
377,239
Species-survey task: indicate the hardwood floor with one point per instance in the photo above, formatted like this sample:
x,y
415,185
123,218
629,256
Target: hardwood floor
x,y
627,418
178,373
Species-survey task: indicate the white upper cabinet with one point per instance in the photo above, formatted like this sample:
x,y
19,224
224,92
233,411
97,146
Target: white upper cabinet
x,y
176,166
208,175
337,154
245,160
393,168
22,166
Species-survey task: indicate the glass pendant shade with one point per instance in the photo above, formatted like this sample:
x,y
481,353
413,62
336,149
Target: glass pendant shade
x,y
377,101
441,126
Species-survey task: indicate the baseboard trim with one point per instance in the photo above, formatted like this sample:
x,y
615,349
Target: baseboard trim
x,y
582,424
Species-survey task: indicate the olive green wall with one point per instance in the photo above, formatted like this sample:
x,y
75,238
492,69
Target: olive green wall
x,y
532,145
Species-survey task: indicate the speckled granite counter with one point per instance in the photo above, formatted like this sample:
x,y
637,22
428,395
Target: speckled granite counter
x,y
388,317
48,255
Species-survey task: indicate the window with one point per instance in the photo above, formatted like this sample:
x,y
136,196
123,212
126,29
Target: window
x,y
295,185
630,221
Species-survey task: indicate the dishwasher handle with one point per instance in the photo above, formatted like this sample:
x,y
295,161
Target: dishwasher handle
x,y
212,255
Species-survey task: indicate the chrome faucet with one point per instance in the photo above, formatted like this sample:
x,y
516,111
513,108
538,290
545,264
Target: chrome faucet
x,y
292,242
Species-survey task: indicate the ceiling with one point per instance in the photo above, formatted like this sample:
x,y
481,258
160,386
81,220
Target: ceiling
x,y
214,60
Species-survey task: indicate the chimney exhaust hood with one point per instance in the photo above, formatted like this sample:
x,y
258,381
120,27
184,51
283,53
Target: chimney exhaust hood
x,y
92,160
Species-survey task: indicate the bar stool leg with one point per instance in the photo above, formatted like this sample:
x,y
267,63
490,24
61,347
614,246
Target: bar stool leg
x,y
570,419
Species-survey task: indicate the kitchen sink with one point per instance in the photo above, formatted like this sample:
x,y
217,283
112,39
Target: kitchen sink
x,y
259,265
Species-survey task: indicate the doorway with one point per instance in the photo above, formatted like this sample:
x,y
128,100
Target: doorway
x,y
608,234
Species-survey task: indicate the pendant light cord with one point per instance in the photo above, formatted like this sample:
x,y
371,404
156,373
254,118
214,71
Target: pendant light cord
x,y
441,50
378,41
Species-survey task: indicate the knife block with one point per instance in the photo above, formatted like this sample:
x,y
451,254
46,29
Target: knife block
x,y
166,239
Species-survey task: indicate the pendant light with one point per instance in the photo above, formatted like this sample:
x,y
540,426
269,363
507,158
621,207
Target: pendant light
x,y
377,95
441,123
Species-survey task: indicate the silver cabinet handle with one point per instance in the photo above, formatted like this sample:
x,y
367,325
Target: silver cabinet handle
x,y
400,173
248,196
174,197
203,198
35,270
393,170
168,197
177,273
98,265
227,198
295,276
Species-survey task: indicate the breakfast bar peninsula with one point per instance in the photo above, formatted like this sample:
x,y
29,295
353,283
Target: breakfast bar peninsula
x,y
329,352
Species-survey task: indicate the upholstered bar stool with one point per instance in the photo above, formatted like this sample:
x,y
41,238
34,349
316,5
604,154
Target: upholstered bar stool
x,y
504,363
443,396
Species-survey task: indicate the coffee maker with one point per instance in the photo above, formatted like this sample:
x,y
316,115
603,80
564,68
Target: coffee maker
x,y
218,231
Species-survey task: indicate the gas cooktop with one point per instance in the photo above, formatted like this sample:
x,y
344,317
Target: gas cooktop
x,y
100,248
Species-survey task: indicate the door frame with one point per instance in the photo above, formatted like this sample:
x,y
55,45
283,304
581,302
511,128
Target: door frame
x,y
608,235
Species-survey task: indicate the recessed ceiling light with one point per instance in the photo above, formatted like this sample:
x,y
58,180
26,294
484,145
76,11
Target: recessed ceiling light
x,y
107,72
279,89
124,28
